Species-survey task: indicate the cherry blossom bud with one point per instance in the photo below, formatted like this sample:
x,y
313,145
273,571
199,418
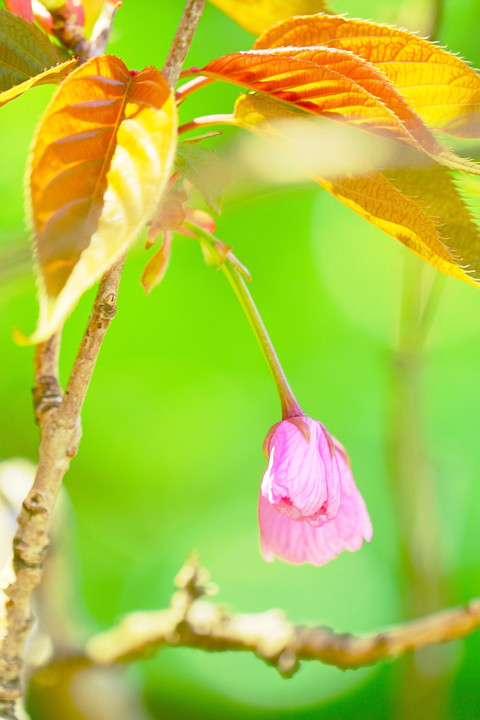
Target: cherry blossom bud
x,y
310,508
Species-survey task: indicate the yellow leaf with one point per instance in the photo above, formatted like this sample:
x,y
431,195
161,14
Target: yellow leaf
x,y
436,192
419,206
53,75
439,86
256,15
102,157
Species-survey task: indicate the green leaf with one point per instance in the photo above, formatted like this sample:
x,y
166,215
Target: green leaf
x,y
205,170
52,76
25,51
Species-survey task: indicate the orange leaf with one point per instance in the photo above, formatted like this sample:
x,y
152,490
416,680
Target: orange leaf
x,y
439,86
419,206
53,75
336,84
102,157
256,15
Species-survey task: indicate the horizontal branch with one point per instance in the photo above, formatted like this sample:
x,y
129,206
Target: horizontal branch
x,y
191,621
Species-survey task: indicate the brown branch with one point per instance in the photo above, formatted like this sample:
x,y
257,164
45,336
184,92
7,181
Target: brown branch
x,y
182,40
197,623
59,420
47,393
60,434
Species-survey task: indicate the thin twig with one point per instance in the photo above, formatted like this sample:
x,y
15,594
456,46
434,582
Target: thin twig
x,y
182,40
197,623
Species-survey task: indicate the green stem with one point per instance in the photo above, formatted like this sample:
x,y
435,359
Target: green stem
x,y
417,514
290,406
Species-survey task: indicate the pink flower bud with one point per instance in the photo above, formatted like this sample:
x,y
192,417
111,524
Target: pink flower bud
x,y
310,508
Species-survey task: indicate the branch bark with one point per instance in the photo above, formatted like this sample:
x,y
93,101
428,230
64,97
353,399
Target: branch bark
x,y
182,40
60,431
191,621
59,419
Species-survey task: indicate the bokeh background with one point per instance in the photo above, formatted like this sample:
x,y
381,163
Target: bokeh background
x,y
181,399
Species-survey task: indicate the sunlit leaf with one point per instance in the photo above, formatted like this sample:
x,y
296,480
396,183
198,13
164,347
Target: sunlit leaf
x,y
102,157
441,88
53,75
205,170
419,206
25,52
22,8
336,84
256,15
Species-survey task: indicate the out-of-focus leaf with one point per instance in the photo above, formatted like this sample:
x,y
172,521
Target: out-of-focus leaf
x,y
439,86
157,266
257,15
25,51
336,84
169,214
419,206
102,157
205,170
53,75
22,8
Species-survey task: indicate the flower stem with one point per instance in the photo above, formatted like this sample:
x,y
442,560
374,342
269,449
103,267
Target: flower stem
x,y
231,268
191,86
206,120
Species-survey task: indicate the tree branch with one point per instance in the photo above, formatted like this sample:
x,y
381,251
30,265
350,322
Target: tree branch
x,y
59,420
197,623
182,40
47,393
60,432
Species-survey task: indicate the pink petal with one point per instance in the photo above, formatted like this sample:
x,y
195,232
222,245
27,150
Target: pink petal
x,y
298,541
301,476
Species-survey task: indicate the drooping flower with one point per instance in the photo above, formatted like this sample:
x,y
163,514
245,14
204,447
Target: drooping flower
x,y
310,509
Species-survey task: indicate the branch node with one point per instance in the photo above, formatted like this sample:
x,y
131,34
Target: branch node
x,y
47,396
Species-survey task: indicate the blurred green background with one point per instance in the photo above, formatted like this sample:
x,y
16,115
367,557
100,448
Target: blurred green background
x,y
181,399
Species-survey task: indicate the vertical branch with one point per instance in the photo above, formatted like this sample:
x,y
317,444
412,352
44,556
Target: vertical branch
x,y
60,432
59,420
47,393
182,41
